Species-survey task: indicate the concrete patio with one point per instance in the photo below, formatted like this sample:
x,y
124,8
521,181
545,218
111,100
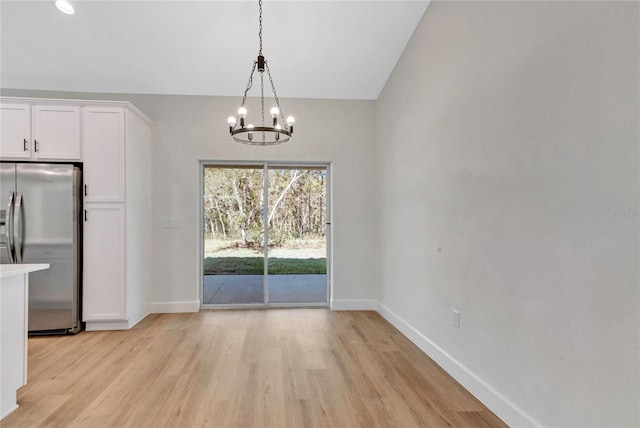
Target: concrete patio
x,y
241,289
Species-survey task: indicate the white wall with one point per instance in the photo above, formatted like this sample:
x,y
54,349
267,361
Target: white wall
x,y
506,135
190,128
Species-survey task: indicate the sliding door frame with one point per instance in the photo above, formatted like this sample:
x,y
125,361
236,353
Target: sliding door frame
x,y
266,165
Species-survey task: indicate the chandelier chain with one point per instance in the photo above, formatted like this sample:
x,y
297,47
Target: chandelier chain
x,y
273,88
260,31
249,84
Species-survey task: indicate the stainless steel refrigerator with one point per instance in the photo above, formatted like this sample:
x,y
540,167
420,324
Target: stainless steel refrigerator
x,y
40,223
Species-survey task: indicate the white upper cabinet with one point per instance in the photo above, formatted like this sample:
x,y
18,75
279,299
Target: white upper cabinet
x,y
104,154
15,131
56,132
40,132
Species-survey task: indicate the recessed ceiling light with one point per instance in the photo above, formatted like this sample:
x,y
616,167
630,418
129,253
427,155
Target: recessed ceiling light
x,y
64,6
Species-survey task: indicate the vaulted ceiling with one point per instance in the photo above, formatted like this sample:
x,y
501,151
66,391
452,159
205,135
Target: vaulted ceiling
x,y
315,49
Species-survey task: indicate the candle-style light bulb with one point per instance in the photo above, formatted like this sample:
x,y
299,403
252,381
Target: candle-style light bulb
x,y
250,134
290,121
232,123
274,114
278,128
242,113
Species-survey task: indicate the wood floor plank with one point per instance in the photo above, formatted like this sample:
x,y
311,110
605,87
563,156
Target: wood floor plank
x,y
242,368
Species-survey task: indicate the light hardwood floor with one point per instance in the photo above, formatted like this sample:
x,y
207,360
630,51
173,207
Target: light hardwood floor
x,y
241,368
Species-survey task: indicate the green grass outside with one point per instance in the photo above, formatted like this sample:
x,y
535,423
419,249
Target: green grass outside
x,y
255,266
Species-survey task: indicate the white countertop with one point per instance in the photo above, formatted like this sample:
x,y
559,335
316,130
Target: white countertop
x,y
11,270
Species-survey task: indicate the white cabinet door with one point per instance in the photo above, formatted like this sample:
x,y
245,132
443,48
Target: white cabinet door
x,y
104,263
15,131
104,154
56,132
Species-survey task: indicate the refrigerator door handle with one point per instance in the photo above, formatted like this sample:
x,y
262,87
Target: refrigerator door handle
x,y
18,212
9,228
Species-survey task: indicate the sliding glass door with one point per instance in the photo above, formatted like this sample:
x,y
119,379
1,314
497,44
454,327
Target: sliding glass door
x,y
265,235
297,256
233,257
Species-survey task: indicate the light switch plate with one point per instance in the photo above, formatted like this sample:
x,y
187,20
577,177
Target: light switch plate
x,y
455,318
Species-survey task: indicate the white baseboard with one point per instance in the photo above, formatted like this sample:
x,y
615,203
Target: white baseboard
x,y
489,396
107,325
353,305
11,410
174,307
132,323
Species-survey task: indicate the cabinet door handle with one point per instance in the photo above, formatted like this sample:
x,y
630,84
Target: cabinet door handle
x,y
86,190
86,216
26,145
37,145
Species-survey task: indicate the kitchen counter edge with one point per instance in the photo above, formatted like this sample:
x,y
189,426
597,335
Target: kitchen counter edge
x,y
7,270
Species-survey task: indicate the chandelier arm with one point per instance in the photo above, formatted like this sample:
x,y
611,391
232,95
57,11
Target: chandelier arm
x,y
241,135
275,95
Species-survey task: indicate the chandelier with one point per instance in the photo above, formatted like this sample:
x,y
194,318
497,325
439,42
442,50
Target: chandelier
x,y
277,130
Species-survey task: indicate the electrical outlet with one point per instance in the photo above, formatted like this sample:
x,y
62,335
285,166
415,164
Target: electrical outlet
x,y
456,318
